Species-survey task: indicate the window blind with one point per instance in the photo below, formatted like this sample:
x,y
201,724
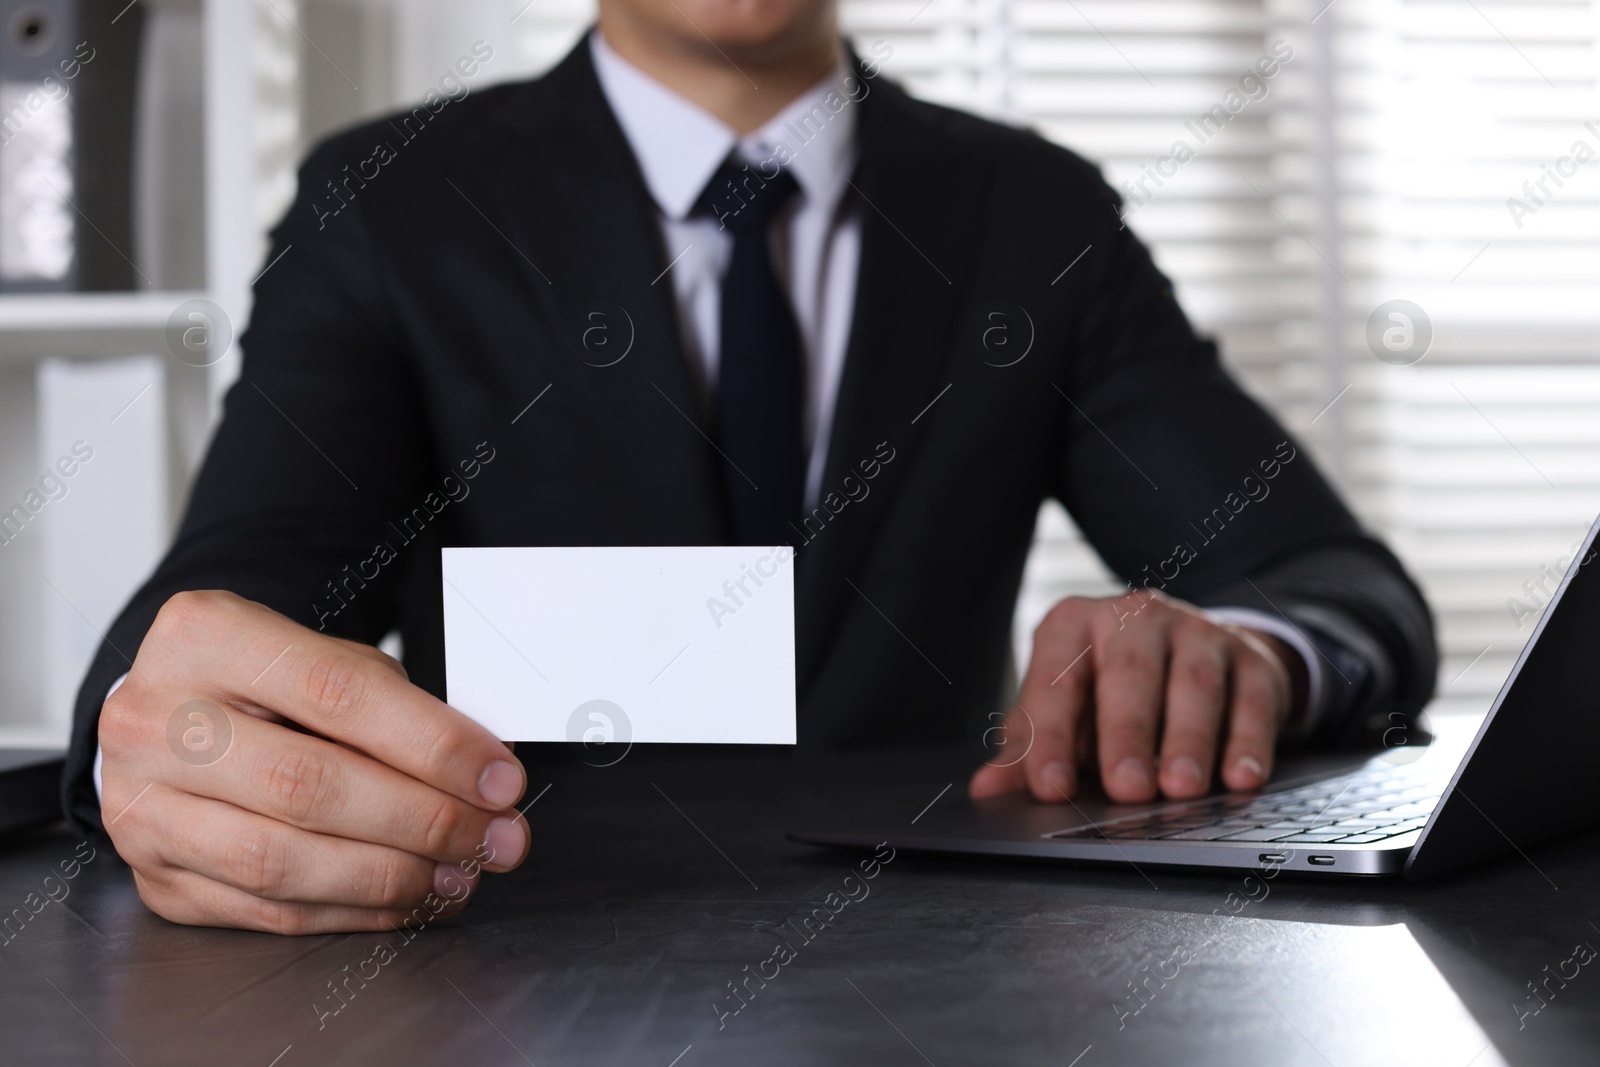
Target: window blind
x,y
1481,461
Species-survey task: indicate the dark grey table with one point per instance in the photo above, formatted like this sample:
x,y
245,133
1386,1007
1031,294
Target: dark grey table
x,y
655,883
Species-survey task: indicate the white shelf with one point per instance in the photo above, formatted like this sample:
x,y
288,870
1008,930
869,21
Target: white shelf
x,y
85,324
200,112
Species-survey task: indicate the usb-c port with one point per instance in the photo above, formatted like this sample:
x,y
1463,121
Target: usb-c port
x,y
1320,861
1274,857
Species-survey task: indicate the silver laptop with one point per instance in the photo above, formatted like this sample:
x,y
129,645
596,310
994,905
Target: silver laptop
x,y
1527,776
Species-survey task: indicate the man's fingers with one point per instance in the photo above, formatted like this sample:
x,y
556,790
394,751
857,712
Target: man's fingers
x,y
1130,683
1197,694
1052,764
336,691
990,780
1004,771
377,655
275,861
1054,696
325,788
1041,734
996,779
182,896
1153,670
269,777
1258,700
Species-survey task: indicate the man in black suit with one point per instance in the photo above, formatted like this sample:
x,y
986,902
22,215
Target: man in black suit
x,y
641,301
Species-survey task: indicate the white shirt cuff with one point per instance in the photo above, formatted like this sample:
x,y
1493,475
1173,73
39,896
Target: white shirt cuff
x,y
99,757
1295,638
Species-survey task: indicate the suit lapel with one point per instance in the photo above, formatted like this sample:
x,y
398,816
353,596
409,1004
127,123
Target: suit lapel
x,y
919,236
568,190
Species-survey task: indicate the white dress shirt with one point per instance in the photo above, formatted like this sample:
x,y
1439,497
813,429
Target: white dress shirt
x,y
816,239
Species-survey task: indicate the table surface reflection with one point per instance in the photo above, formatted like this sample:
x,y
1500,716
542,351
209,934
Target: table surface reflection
x,y
659,886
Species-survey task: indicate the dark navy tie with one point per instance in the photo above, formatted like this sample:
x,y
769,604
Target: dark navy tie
x,y
760,374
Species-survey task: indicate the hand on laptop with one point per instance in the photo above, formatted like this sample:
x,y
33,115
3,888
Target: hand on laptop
x,y
1140,681
258,774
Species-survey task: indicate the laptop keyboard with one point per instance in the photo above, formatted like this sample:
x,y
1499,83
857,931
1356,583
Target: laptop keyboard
x,y
1370,805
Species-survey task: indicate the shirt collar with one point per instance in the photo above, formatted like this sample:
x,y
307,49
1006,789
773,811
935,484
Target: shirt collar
x,y
679,145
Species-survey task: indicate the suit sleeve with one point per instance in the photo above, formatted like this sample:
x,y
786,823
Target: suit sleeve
x,y
1183,482
321,441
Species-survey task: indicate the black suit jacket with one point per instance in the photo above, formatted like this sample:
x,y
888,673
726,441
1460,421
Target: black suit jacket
x,y
439,271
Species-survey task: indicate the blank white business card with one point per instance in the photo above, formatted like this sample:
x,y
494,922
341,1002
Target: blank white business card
x,y
682,644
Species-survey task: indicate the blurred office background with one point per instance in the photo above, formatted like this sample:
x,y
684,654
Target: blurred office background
x,y
1376,164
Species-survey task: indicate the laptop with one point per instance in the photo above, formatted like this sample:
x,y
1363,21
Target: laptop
x,y
1526,776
